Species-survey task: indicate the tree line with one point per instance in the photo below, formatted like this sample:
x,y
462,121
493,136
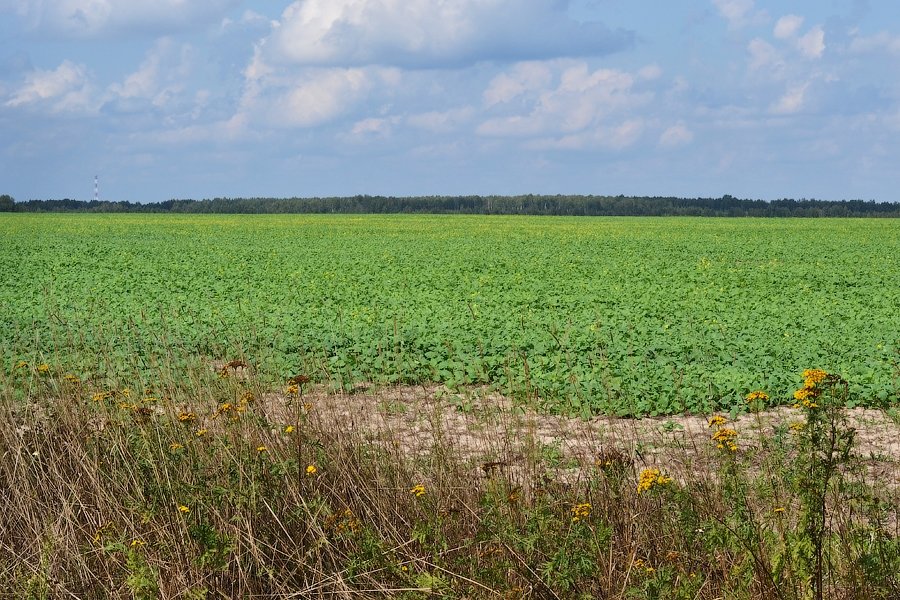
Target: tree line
x,y
529,204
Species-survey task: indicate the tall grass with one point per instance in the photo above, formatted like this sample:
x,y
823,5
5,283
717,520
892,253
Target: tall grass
x,y
199,485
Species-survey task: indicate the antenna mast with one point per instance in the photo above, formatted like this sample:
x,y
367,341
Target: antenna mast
x,y
96,189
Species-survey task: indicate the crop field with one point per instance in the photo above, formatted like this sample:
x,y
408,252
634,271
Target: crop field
x,y
586,316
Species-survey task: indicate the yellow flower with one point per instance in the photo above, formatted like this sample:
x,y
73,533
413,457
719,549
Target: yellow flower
x,y
778,509
311,470
813,377
72,378
21,364
717,420
581,511
261,449
43,368
291,390
175,446
200,432
126,392
187,417
137,543
289,429
650,478
183,509
797,426
417,490
724,439
758,395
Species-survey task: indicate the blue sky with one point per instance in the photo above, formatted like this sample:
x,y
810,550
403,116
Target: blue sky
x,y
179,99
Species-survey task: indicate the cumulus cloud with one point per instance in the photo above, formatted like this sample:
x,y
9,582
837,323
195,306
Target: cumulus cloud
x,y
91,18
441,121
676,135
879,42
523,77
429,33
159,78
62,90
739,13
792,100
787,26
812,44
578,105
763,55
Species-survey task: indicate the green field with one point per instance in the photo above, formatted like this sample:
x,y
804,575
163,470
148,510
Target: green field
x,y
584,315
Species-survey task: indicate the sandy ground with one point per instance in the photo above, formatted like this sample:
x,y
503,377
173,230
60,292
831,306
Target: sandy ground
x,y
488,430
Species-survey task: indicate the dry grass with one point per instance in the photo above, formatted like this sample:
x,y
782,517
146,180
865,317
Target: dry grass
x,y
310,495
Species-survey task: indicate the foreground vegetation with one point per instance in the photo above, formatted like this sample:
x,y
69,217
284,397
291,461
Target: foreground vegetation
x,y
217,488
588,316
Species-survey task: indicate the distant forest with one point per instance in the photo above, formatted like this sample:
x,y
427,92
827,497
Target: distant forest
x,y
561,205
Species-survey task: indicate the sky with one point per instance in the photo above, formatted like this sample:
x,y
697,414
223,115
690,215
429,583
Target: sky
x,y
166,99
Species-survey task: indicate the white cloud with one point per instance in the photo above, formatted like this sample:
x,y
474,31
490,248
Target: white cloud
x,y
161,76
64,89
616,137
441,121
763,55
739,13
787,26
523,77
812,44
792,100
90,18
581,102
425,33
879,42
676,135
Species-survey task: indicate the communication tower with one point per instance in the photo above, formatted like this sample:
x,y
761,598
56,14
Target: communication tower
x,y
96,189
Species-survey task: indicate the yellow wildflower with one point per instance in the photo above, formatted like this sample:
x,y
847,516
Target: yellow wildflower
x,y
724,439
200,432
137,543
187,417
289,429
43,368
778,509
311,470
261,449
581,511
21,364
175,446
417,490
291,390
717,420
812,377
71,378
650,478
183,509
797,426
758,395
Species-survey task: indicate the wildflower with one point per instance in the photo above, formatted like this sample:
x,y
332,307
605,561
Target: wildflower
x,y
261,449
758,395
126,392
137,543
200,432
224,408
650,478
183,509
175,446
417,490
289,429
802,394
147,399
307,406
291,390
797,426
43,368
101,396
21,364
187,417
581,511
71,378
717,420
311,470
812,377
126,406
778,509
247,397
724,439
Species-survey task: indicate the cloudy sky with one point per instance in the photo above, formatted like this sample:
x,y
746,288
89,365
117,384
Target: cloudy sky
x,y
188,99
